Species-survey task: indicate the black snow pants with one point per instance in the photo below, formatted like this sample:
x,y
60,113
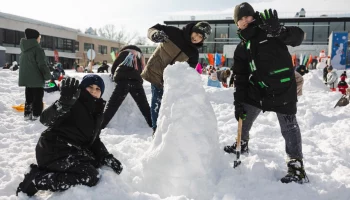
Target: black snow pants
x,y
34,101
289,128
120,92
63,165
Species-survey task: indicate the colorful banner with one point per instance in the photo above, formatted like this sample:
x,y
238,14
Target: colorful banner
x,y
211,59
339,49
223,59
55,54
217,59
113,56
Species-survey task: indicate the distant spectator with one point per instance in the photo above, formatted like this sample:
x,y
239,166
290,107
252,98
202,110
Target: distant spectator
x,y
302,70
300,82
33,73
104,67
332,78
14,66
7,66
342,85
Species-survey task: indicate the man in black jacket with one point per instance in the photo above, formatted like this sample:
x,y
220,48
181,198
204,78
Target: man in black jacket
x,y
264,80
126,72
70,150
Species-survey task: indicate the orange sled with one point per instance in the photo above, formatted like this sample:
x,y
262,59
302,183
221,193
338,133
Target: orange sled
x,y
20,107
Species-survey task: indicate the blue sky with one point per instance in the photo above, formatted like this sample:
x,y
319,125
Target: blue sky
x,y
139,15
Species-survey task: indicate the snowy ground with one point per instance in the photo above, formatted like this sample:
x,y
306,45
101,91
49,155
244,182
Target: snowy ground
x,y
185,160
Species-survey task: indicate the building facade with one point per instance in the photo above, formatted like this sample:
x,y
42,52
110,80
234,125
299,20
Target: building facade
x,y
53,37
103,48
224,37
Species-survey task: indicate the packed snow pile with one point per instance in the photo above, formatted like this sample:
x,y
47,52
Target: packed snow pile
x,y
184,157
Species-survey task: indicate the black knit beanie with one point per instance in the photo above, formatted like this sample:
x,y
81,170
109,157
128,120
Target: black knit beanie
x,y
241,10
31,33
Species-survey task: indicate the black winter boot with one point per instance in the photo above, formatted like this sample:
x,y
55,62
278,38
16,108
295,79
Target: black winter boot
x,y
28,112
296,172
232,149
27,185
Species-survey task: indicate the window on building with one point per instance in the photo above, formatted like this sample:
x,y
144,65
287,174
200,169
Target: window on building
x,y
233,37
210,47
102,49
291,24
219,47
88,46
60,44
321,33
1,36
46,42
9,38
150,50
307,27
115,49
76,46
347,26
49,42
19,36
336,26
54,43
221,31
68,45
203,49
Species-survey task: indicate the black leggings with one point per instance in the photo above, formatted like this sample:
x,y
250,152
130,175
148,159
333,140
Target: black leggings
x,y
121,90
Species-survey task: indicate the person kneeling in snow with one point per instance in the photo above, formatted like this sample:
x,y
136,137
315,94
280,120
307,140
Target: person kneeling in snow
x,y
70,150
267,83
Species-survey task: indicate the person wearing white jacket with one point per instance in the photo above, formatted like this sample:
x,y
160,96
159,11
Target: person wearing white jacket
x,y
332,78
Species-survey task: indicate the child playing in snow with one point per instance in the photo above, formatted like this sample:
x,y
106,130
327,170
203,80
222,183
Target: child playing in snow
x,y
342,85
69,152
175,45
332,78
222,76
213,80
267,83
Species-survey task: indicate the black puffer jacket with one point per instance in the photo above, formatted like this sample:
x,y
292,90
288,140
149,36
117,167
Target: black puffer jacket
x,y
126,73
78,128
268,53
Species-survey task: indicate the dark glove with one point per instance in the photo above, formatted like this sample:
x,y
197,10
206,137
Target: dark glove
x,y
69,92
113,163
159,36
270,23
239,111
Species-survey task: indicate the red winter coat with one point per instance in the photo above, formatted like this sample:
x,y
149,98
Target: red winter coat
x,y
342,86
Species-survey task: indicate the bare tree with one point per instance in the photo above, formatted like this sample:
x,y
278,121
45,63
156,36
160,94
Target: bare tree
x,y
111,32
140,40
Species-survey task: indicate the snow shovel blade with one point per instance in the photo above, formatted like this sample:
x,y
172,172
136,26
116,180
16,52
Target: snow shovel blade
x,y
238,146
237,161
343,101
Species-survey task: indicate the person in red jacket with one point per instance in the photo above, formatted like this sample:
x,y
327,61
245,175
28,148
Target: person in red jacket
x,y
342,85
